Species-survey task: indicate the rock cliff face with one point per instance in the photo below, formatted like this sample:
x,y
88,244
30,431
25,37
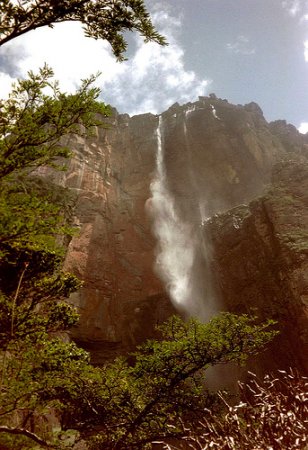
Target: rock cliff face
x,y
260,260
122,299
216,156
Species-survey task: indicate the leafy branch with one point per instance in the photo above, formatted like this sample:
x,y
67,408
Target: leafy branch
x,y
102,19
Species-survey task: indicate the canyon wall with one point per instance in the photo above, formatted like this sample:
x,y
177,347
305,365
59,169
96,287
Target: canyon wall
x,y
260,261
216,156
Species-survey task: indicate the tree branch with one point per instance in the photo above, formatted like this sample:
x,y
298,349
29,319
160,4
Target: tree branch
x,y
27,433
15,298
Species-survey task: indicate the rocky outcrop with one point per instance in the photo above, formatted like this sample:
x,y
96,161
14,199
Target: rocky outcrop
x,y
216,156
260,259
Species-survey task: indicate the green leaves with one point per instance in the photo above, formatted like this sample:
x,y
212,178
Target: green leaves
x,y
192,345
32,122
163,387
103,19
35,213
38,370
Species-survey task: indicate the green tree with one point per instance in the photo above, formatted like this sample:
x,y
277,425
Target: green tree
x,y
32,122
33,126
33,285
33,221
102,19
132,402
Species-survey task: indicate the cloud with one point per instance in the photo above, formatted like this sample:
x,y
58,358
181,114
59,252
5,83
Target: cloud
x,y
303,128
306,50
66,50
5,84
151,80
241,46
155,77
298,9
293,7
9,71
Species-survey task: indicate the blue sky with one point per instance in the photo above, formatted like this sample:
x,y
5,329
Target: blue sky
x,y
251,50
242,50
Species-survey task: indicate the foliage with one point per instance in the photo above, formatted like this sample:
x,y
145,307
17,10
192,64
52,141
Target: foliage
x,y
31,125
127,404
272,414
33,211
38,373
102,19
34,215
130,405
32,121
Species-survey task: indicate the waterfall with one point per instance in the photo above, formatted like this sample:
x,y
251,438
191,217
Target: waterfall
x,y
183,253
176,244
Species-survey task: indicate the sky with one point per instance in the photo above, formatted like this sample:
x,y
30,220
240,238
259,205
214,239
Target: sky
x,y
241,50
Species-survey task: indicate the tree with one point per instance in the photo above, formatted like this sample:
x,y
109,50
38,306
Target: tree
x,y
102,19
33,126
32,122
132,402
34,219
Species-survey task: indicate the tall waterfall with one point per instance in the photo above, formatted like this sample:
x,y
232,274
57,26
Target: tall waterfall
x,y
180,246
176,246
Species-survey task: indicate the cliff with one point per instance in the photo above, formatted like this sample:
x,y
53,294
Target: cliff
x,y
216,156
260,260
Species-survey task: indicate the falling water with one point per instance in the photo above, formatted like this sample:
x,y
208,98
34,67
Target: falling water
x,y
182,259
176,244
183,252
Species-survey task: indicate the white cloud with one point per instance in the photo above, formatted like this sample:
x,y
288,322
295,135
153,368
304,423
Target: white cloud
x,y
299,10
303,128
306,50
155,76
293,6
296,9
241,46
67,51
5,84
152,79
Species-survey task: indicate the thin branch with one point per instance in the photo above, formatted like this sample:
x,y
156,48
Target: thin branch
x,y
15,298
27,433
